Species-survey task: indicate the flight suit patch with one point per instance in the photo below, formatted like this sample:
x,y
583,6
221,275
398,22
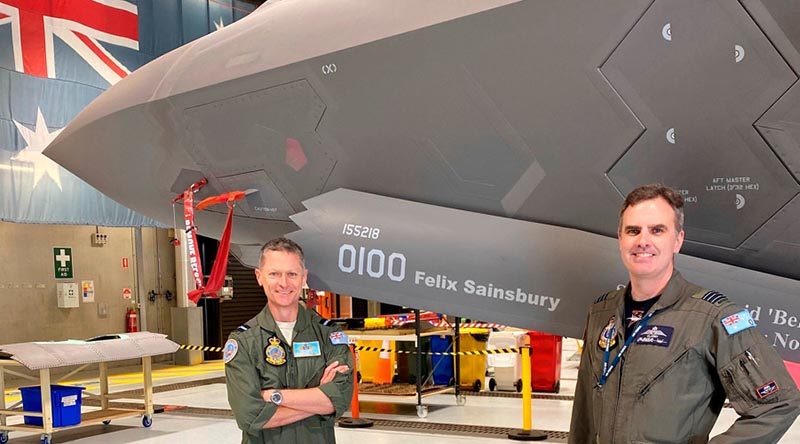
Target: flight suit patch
x,y
738,322
339,338
608,337
229,352
306,349
275,353
767,389
660,335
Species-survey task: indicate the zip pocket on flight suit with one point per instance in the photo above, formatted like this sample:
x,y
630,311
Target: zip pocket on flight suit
x,y
745,382
660,374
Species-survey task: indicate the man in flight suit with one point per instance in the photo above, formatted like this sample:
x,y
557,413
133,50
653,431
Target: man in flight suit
x,y
662,354
288,373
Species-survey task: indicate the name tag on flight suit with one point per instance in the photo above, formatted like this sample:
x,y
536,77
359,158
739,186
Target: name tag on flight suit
x,y
306,349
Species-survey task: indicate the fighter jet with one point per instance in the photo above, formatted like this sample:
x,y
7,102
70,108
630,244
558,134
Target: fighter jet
x,y
472,157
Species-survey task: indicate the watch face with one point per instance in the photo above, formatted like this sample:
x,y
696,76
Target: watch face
x,y
276,398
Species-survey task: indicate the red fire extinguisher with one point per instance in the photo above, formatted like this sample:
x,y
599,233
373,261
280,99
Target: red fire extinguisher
x,y
131,324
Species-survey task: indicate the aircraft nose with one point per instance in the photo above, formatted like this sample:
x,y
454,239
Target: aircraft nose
x,y
89,146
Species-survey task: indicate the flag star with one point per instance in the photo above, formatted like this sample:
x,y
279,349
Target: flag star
x,y
37,140
219,25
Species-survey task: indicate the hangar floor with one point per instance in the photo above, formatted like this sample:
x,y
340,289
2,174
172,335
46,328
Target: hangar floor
x,y
196,410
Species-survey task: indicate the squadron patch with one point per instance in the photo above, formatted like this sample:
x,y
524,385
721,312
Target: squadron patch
x,y
767,389
275,353
738,322
339,338
660,335
608,337
229,352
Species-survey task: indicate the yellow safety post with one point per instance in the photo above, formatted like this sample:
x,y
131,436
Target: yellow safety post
x,y
526,434
526,388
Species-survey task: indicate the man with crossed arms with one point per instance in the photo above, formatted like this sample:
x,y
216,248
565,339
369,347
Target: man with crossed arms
x,y
288,372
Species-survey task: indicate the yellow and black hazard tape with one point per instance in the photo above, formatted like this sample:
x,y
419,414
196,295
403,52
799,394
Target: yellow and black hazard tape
x,y
496,351
202,348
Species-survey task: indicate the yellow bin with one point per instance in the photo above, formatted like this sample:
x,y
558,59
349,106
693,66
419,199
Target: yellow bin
x,y
472,371
368,362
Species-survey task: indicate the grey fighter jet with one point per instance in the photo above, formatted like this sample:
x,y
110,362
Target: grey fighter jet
x,y
471,156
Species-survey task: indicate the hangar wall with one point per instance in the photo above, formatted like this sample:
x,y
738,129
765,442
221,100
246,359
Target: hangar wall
x,y
28,302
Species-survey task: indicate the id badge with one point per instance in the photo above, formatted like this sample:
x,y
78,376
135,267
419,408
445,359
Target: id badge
x,y
306,349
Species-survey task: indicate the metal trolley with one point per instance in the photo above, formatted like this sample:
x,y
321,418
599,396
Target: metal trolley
x,y
415,336
42,357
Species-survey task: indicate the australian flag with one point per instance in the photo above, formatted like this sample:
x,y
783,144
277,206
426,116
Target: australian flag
x,y
56,56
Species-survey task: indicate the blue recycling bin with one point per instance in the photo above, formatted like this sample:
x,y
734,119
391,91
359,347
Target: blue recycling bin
x,y
65,400
442,365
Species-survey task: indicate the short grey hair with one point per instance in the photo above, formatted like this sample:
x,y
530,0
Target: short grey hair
x,y
285,245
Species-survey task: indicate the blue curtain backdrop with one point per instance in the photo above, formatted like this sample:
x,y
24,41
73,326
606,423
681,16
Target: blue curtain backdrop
x,y
56,56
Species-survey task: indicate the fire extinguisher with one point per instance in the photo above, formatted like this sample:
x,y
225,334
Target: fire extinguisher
x,y
131,324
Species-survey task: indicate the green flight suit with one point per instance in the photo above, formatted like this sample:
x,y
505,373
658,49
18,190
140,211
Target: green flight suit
x,y
248,372
672,381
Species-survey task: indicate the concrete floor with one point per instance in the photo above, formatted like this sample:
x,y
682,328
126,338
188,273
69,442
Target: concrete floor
x,y
173,428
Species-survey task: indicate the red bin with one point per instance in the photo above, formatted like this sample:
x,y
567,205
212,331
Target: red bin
x,y
545,362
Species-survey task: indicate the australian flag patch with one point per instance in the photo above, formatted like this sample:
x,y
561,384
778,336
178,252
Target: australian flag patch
x,y
738,321
767,389
338,338
659,335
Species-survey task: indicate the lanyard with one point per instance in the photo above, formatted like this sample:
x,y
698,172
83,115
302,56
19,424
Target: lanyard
x,y
607,369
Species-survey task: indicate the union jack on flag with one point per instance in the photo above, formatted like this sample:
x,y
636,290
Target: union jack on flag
x,y
731,320
81,24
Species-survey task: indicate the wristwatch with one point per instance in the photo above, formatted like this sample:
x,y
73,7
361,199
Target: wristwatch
x,y
276,397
